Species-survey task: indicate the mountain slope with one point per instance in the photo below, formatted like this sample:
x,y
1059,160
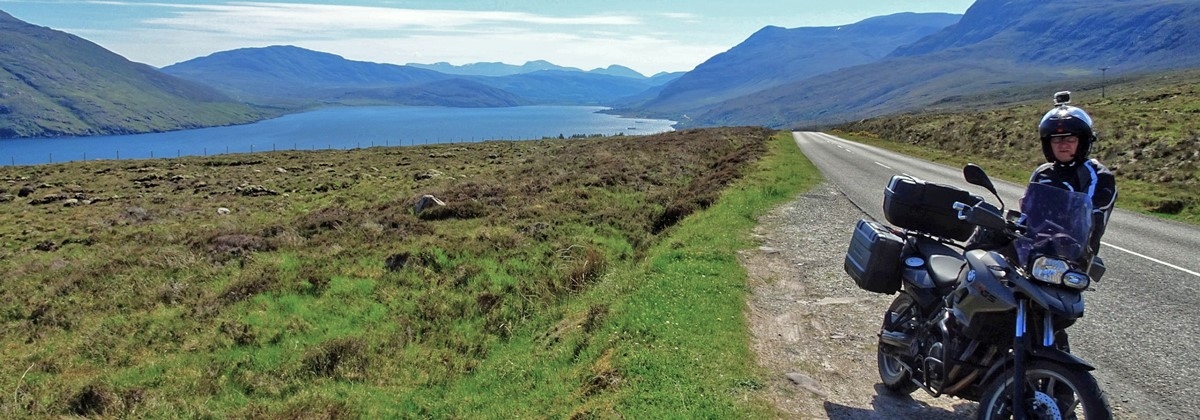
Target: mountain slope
x,y
997,43
491,68
57,84
278,73
495,69
569,87
458,93
285,75
1132,34
774,56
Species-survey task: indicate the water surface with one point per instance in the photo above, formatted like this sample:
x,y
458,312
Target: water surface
x,y
338,128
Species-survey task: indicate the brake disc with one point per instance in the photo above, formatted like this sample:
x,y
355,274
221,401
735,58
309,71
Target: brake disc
x,y
1045,407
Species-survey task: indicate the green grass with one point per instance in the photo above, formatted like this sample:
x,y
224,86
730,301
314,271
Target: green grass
x,y
663,338
592,277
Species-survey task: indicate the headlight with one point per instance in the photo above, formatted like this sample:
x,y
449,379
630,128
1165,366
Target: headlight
x,y
1056,271
1050,270
1076,280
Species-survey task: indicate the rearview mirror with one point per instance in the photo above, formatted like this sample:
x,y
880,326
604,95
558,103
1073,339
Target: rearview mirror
x,y
975,175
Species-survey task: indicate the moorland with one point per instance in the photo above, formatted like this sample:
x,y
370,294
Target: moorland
x,y
565,278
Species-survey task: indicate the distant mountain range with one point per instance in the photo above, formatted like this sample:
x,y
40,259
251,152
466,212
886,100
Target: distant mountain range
x,y
502,69
775,56
58,84
287,75
996,44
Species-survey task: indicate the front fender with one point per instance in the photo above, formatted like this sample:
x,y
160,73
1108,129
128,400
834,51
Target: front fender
x,y
1040,353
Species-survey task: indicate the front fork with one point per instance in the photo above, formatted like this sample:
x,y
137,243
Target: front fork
x,y
1020,352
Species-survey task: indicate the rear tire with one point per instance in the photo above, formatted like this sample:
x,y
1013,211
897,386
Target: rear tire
x,y
892,372
1075,395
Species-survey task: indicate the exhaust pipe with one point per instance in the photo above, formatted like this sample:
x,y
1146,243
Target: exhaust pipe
x,y
899,340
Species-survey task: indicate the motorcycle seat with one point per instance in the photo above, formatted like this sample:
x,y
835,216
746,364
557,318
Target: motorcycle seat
x,y
945,263
945,269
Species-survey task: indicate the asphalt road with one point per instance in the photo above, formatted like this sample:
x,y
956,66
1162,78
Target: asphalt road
x,y
1142,321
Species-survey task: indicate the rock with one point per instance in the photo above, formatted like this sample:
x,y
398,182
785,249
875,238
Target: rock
x,y
807,383
254,190
47,199
223,211
427,201
430,174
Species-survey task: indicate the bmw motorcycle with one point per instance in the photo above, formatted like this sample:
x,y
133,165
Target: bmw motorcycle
x,y
982,323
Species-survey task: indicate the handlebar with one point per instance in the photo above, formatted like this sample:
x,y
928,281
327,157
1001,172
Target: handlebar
x,y
987,216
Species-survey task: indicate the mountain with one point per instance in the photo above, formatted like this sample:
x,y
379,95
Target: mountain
x,y
621,71
1131,34
775,56
500,69
286,75
560,87
492,68
57,84
996,44
459,93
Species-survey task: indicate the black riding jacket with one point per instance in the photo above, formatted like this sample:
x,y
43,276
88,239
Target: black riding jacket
x,y
1089,177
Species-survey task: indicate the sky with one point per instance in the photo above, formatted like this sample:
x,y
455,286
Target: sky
x,y
648,36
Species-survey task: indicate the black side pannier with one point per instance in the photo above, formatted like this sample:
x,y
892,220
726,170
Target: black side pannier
x,y
914,204
873,259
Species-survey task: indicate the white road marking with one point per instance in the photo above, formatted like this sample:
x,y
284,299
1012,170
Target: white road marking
x,y
1152,259
885,166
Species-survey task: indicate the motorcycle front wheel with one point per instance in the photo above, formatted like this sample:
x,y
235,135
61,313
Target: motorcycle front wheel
x,y
1053,392
891,371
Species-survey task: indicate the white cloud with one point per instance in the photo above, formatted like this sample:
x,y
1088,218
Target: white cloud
x,y
254,19
403,35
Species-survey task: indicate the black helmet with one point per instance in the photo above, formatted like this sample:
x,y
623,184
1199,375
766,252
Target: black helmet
x,y
1066,120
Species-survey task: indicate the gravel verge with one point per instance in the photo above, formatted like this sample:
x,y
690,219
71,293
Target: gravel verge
x,y
813,329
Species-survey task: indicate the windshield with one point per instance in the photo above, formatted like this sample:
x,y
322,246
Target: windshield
x,y
1059,221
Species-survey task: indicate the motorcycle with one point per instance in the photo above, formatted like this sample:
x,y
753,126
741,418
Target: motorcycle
x,y
982,323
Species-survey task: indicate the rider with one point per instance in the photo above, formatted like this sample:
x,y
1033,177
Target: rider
x,y
1067,138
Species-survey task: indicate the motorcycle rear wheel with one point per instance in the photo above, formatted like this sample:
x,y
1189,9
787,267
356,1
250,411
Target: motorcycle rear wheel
x,y
891,371
1074,394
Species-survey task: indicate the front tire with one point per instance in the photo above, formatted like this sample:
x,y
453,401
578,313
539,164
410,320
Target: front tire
x,y
1055,391
892,372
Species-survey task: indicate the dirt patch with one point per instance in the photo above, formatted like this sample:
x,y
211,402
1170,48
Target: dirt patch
x,y
813,329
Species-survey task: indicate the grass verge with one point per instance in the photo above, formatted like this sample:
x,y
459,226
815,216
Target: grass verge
x,y
663,337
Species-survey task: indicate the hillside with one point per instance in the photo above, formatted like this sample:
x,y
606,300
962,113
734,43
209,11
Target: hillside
x,y
560,87
775,56
491,68
1148,130
458,93
495,69
997,44
285,73
57,84
282,75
